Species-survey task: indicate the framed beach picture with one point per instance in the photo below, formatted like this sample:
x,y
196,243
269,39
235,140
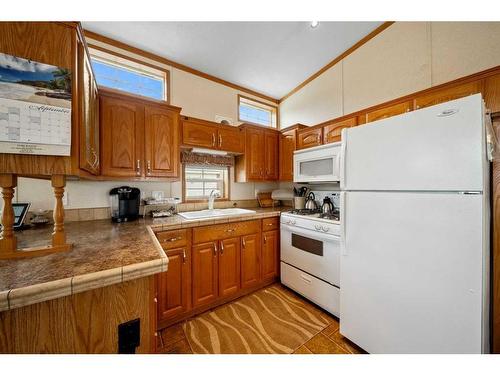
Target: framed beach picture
x,y
35,107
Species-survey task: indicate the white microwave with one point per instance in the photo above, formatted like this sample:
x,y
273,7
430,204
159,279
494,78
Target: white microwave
x,y
317,164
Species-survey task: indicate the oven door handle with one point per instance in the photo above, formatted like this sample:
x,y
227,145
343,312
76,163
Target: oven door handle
x,y
310,233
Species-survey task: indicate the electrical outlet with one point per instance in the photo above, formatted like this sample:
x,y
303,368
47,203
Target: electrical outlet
x,y
129,336
65,199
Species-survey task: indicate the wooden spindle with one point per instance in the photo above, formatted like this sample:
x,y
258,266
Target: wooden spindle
x,y
8,241
58,236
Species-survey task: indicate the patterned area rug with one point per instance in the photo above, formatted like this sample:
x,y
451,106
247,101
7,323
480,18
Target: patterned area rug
x,y
272,320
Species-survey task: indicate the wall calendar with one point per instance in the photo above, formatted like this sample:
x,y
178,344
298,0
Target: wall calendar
x,y
35,107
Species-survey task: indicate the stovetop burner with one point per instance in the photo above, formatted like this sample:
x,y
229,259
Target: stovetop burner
x,y
304,212
335,215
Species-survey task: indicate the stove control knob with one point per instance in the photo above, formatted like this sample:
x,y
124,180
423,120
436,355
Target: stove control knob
x,y
288,221
293,222
317,227
325,229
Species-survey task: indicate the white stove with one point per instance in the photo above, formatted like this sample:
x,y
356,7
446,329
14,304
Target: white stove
x,y
310,257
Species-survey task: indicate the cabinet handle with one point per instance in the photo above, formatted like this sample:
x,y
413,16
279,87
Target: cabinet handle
x,y
220,140
230,230
215,248
183,256
221,248
138,167
244,243
96,158
265,239
213,139
155,299
269,224
149,166
173,239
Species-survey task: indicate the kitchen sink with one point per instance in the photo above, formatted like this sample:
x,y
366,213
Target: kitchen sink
x,y
205,214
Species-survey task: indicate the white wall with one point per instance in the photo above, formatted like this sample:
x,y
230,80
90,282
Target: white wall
x,y
198,97
405,58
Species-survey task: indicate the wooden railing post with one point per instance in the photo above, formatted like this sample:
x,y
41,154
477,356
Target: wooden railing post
x,y
8,241
58,236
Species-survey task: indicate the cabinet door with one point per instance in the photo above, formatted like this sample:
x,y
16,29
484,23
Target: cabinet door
x,y
173,286
229,266
161,142
448,94
89,120
286,149
270,253
254,152
271,155
231,139
250,260
204,273
390,111
332,132
309,138
198,134
122,130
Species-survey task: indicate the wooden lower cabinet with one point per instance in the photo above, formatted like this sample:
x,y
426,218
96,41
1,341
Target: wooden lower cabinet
x,y
270,254
205,278
250,260
174,286
207,267
229,266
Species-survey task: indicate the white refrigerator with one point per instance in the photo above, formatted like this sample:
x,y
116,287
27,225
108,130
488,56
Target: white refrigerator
x,y
414,270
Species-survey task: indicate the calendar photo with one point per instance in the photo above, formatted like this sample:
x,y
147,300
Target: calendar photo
x,y
35,107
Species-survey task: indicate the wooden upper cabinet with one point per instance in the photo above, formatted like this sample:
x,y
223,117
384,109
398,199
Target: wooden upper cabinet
x,y
198,134
231,139
389,111
332,132
205,278
270,254
255,154
161,142
229,266
211,135
309,138
287,146
122,130
89,114
250,260
139,138
271,157
174,285
447,94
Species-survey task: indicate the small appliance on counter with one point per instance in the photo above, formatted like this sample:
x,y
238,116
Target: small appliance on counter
x,y
125,202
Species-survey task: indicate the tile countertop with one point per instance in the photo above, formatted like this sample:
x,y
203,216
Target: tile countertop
x,y
103,253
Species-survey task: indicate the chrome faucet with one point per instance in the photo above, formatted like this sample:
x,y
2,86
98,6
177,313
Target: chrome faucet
x,y
213,195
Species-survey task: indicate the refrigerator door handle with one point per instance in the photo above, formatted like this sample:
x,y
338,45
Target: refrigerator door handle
x,y
343,249
343,149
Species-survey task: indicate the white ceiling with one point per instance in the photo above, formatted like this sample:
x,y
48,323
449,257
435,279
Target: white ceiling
x,y
269,57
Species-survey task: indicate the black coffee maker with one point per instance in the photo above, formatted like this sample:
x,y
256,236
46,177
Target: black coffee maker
x,y
125,201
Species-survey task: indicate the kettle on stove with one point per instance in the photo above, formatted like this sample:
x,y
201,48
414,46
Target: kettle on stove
x,y
327,206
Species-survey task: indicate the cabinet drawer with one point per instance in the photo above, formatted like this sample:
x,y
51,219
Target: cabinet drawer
x,y
270,223
222,231
173,238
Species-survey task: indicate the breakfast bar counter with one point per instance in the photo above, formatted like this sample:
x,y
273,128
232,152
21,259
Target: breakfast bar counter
x,y
103,253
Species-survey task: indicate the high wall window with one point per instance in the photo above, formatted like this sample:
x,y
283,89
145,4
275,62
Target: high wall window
x,y
119,73
256,112
199,181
